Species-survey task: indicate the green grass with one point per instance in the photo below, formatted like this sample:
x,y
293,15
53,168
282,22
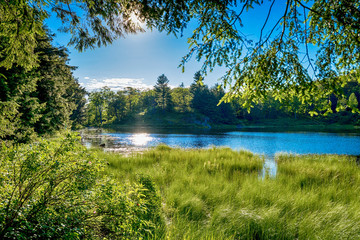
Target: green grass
x,y
218,194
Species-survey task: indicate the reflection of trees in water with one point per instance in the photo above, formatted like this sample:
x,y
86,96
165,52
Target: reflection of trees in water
x,y
95,138
201,141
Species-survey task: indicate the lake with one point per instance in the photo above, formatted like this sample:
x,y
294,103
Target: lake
x,y
264,143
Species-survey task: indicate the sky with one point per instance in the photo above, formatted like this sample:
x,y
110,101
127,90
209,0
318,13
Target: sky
x,y
138,60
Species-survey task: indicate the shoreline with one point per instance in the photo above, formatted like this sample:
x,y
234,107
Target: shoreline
x,y
249,127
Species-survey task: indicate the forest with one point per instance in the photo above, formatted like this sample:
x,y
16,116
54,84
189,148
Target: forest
x,y
202,104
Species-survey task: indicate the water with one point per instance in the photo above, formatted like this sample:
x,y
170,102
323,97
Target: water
x,y
264,143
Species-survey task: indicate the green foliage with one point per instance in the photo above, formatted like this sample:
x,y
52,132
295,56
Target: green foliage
x,y
107,107
273,61
78,115
132,99
43,187
55,190
162,93
99,102
125,211
277,59
353,102
117,106
199,105
42,100
206,101
181,97
21,22
20,25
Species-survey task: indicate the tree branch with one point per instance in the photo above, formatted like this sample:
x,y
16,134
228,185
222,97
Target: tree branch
x,y
242,10
267,18
311,10
306,43
284,17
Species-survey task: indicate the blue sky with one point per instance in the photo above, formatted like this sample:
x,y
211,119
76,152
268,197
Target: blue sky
x,y
138,60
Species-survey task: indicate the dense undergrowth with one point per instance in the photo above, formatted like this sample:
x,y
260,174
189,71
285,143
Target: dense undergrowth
x,y
59,190
56,190
218,193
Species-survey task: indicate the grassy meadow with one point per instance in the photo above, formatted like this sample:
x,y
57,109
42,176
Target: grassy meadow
x,y
218,193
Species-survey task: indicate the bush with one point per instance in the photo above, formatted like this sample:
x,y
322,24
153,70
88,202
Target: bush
x,y
54,190
43,189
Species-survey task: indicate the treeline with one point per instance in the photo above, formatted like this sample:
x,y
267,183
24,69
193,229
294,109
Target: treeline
x,y
342,107
42,99
108,107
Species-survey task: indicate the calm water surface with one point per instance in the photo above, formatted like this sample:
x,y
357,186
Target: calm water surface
x,y
265,143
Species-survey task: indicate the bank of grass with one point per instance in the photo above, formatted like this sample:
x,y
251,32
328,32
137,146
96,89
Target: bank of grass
x,y
218,193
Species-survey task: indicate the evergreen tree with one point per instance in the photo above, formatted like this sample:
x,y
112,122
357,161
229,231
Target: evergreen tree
x,y
162,93
39,101
225,112
78,116
203,101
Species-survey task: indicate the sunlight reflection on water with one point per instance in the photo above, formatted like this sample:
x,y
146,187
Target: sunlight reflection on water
x,y
267,144
140,139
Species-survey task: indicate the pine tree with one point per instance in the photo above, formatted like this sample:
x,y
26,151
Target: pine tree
x,y
162,93
41,100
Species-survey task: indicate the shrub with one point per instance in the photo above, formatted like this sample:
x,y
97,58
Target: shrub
x,y
54,190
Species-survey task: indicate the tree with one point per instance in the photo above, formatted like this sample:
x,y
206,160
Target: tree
x,y
353,102
277,59
99,101
162,93
38,101
78,116
132,99
203,100
225,112
147,99
117,106
181,98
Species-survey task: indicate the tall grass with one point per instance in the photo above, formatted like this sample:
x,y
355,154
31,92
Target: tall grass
x,y
217,193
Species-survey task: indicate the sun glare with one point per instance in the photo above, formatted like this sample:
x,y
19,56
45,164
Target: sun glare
x,y
134,18
140,139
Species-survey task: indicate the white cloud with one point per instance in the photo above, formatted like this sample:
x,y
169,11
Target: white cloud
x,y
116,84
86,78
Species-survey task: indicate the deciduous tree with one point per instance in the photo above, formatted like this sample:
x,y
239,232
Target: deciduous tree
x,y
277,59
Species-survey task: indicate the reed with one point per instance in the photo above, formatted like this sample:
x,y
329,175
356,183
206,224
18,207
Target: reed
x,y
217,193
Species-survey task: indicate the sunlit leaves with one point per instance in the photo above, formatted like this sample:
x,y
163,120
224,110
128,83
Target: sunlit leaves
x,y
19,25
281,55
281,62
